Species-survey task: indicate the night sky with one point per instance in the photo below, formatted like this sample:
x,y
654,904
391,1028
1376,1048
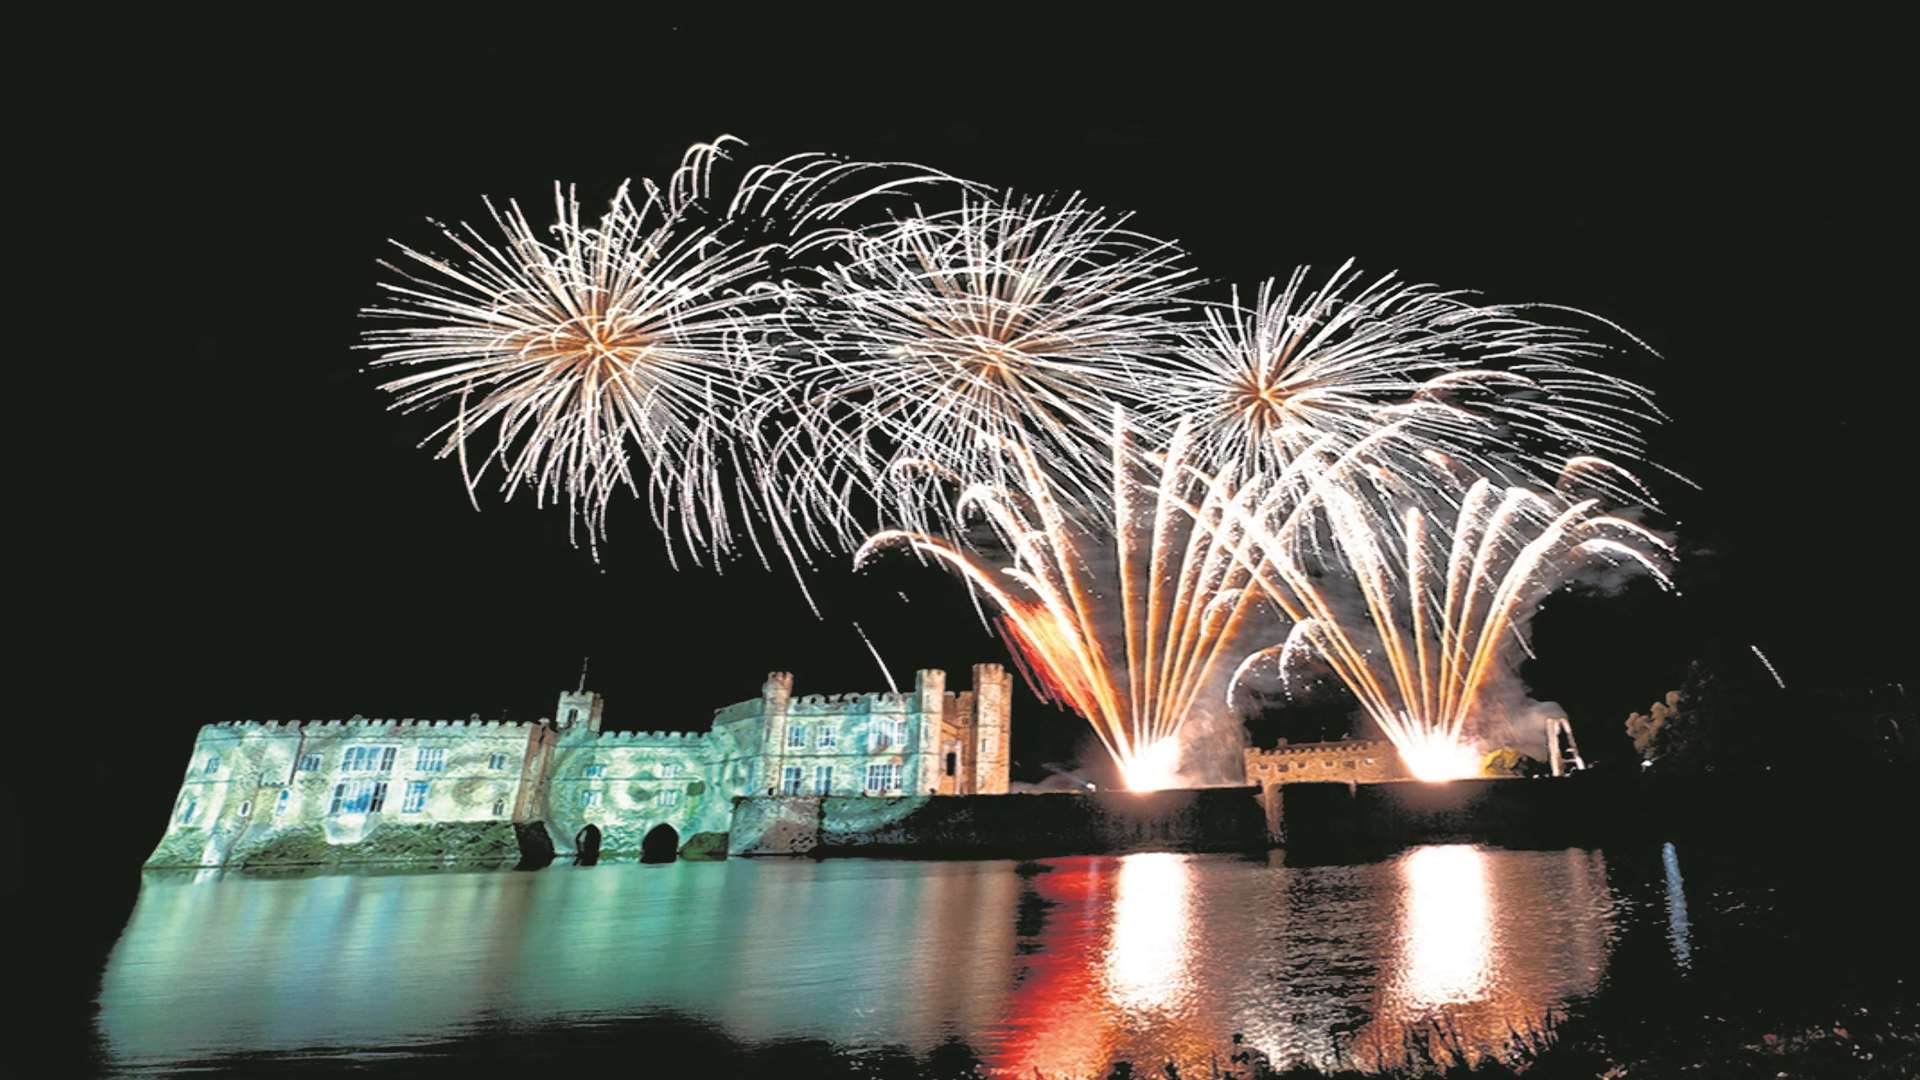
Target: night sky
x,y
245,532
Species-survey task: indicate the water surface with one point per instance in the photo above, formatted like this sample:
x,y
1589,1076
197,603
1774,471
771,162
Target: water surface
x,y
1064,965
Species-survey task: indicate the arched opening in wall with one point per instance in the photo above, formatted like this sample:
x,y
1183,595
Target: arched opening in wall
x,y
661,844
586,845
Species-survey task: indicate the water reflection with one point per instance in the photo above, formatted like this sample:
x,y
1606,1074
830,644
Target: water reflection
x,y
1147,955
1679,934
1487,942
1064,965
1448,934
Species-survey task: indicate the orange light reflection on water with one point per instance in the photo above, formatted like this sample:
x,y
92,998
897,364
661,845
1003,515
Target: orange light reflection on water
x,y
1148,952
1448,926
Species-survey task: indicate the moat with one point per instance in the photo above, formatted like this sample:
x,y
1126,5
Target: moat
x,y
898,968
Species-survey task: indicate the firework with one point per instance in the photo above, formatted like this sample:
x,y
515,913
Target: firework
x,y
947,337
1438,607
769,364
1464,389
1131,615
653,331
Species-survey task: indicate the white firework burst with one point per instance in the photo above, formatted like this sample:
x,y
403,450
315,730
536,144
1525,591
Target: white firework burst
x,y
1446,389
652,331
945,337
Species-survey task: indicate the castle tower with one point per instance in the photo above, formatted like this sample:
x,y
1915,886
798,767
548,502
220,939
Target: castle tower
x,y
928,708
992,728
576,707
776,695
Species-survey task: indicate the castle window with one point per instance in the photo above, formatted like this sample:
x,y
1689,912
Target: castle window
x,y
246,808
826,738
1283,768
187,808
358,797
1349,765
883,776
213,764
986,744
368,759
589,799
886,735
572,715
790,780
796,736
670,798
823,779
309,762
499,807
669,770
432,759
496,763
596,770
416,800
280,802
953,763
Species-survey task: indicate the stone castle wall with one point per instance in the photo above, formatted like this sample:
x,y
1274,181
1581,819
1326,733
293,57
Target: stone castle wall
x,y
1348,761
405,790
253,790
1366,761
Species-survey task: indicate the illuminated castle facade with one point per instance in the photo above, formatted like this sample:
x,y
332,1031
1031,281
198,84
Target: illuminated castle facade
x,y
341,791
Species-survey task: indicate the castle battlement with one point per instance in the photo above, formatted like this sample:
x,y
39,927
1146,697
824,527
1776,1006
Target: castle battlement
x,y
1351,760
848,704
885,697
666,738
365,722
1370,746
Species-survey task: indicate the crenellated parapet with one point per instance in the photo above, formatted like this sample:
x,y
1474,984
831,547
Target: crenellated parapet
x,y
1351,760
364,722
669,739
852,704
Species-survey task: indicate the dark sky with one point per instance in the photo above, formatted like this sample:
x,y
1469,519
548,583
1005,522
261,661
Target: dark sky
x,y
247,533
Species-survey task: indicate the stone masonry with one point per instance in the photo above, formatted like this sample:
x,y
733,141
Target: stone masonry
x,y
360,790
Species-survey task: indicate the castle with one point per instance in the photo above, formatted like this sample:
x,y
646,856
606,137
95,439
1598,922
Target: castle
x,y
272,792
1351,761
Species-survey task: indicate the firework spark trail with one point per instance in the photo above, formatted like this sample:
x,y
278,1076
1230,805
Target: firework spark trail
x,y
1470,389
783,369
655,330
1130,626
885,672
1438,606
945,336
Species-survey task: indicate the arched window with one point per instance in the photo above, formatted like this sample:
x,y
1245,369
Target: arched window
x,y
572,715
213,764
953,763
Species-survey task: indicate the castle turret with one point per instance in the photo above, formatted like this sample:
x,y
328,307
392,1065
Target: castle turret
x,y
577,707
776,695
992,728
930,702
